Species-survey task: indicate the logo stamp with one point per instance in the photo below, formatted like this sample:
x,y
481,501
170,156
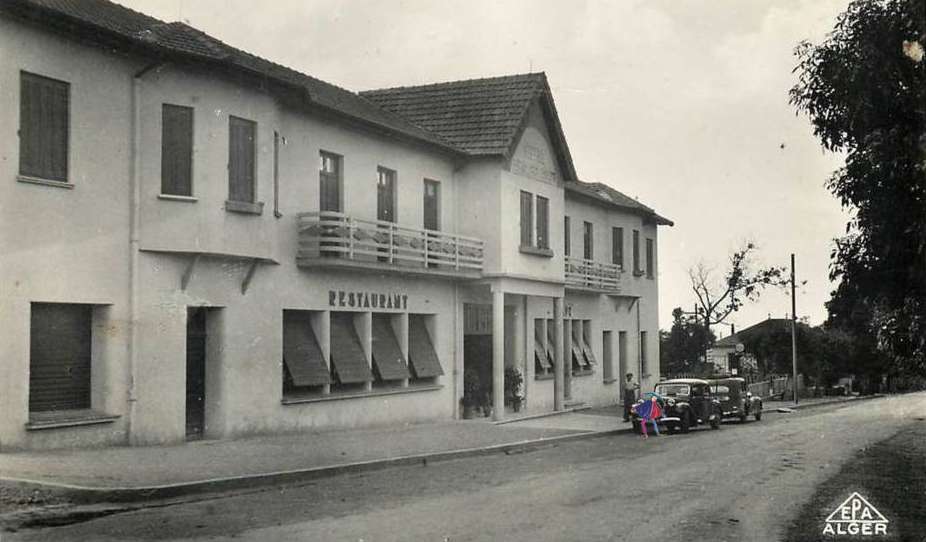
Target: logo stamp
x,y
856,516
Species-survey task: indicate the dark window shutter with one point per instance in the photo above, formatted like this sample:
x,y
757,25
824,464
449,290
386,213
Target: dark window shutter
x,y
589,242
617,246
431,205
176,150
241,159
636,251
385,195
44,118
543,222
649,258
567,237
329,182
59,357
527,218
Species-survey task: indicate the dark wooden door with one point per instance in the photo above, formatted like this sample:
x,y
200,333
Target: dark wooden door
x,y
195,373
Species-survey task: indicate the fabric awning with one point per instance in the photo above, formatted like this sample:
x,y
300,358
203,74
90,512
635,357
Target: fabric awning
x,y
347,358
387,356
421,354
541,355
301,354
579,347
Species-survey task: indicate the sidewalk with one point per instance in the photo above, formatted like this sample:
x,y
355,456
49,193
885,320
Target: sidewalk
x,y
135,473
808,402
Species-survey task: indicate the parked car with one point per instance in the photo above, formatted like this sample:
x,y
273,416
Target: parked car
x,y
736,401
686,403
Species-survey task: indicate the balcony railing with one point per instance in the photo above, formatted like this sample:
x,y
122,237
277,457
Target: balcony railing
x,y
592,275
331,239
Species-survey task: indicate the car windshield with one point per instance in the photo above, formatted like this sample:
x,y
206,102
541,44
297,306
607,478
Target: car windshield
x,y
669,390
720,389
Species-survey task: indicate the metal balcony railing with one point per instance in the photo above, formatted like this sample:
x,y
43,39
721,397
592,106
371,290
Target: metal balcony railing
x,y
338,240
592,275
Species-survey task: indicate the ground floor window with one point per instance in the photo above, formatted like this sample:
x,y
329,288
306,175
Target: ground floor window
x,y
349,367
422,357
304,368
389,365
543,358
60,355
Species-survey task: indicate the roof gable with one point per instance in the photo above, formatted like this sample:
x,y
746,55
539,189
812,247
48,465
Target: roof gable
x,y
483,117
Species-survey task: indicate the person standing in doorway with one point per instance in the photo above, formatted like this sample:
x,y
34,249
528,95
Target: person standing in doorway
x,y
630,395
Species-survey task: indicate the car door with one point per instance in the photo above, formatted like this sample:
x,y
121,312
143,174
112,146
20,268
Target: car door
x,y
700,399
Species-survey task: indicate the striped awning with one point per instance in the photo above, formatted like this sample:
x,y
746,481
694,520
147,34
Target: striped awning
x,y
301,354
348,361
421,354
387,356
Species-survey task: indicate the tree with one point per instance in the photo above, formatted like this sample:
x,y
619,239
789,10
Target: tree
x,y
681,347
864,90
717,300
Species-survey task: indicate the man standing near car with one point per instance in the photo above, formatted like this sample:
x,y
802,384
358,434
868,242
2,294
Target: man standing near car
x,y
630,395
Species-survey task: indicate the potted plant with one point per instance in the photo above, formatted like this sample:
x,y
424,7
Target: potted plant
x,y
471,394
513,382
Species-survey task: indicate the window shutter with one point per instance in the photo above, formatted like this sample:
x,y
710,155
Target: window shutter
x,y
60,357
527,218
617,246
567,237
43,127
636,251
543,220
241,160
176,150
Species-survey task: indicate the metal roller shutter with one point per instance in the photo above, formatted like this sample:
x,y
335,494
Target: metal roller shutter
x,y
59,358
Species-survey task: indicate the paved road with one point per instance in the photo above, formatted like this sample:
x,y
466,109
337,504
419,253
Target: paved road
x,y
739,483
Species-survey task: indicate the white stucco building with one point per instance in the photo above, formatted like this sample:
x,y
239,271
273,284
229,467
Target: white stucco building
x,y
196,242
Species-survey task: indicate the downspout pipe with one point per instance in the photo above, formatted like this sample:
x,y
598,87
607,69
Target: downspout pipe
x,y
134,239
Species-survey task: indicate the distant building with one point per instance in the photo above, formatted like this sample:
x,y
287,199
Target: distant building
x,y
725,349
197,242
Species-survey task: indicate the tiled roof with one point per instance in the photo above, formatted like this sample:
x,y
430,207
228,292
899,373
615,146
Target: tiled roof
x,y
481,116
744,334
102,16
611,197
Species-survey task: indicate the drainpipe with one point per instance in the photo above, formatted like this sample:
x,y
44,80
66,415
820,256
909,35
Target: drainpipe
x,y
639,344
134,235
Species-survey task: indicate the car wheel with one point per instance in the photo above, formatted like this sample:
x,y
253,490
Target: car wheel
x,y
715,422
684,424
743,418
636,428
672,429
758,415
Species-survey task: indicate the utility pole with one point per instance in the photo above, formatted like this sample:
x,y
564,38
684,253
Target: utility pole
x,y
793,332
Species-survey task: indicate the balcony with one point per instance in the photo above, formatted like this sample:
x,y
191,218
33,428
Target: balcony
x,y
335,240
592,276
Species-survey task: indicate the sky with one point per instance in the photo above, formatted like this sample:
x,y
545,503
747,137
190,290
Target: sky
x,y
682,104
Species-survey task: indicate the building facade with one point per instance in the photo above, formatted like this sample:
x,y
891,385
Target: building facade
x,y
196,242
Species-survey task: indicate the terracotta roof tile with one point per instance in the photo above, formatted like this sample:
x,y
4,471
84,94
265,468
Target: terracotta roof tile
x,y
480,116
610,196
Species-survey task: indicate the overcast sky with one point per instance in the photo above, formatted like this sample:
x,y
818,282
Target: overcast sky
x,y
682,104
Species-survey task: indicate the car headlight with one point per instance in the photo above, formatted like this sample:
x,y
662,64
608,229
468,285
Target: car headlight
x,y
670,402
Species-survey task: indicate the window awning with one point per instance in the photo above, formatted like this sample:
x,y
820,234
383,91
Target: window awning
x,y
301,354
421,354
579,347
541,355
347,358
387,356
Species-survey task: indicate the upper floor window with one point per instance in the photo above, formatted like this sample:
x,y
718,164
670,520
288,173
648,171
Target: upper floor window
x,y
329,182
567,236
242,139
44,123
588,241
617,247
176,150
543,222
431,205
650,258
636,253
385,195
527,219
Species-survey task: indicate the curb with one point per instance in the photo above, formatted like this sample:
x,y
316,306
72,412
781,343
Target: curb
x,y
87,495
801,406
541,415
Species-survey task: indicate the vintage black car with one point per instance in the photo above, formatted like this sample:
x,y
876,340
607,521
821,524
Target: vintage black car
x,y
686,403
735,399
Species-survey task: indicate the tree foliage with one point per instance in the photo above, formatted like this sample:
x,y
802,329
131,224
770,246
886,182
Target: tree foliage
x,y
864,90
682,346
742,282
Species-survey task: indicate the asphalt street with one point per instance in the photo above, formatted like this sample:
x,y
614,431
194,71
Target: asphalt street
x,y
741,482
